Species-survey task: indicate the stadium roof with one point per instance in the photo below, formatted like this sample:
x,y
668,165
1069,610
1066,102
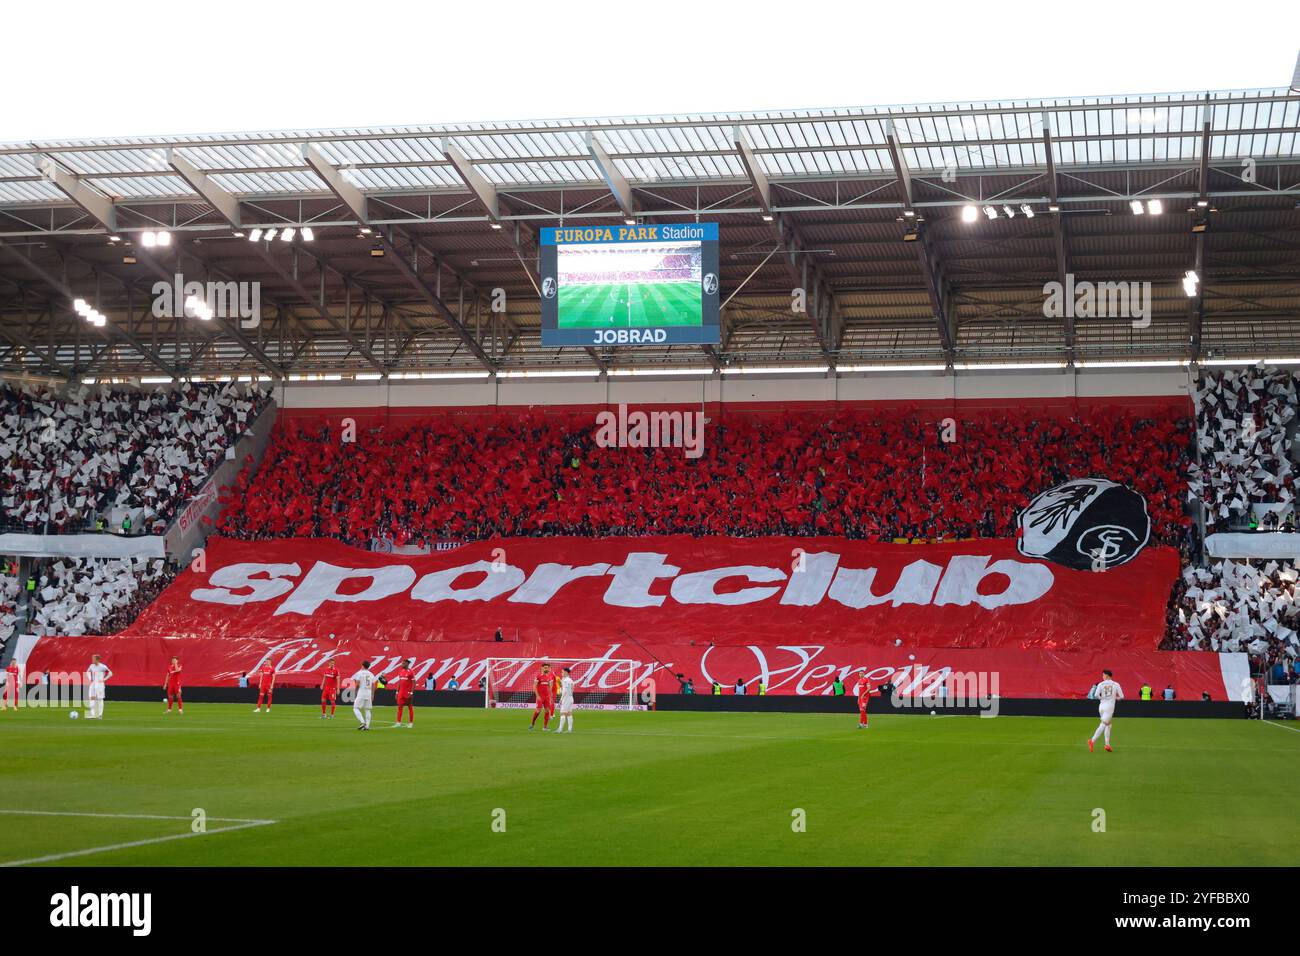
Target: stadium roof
x,y
861,207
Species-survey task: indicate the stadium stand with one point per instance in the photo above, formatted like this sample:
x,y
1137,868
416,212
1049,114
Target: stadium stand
x,y
1250,606
1243,420
8,603
79,596
91,458
859,474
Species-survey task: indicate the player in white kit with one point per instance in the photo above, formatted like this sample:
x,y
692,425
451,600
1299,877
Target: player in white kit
x,y
1107,693
566,701
364,683
96,675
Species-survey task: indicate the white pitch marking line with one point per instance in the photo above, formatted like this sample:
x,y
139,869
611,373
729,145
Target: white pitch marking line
x,y
126,816
1283,726
238,825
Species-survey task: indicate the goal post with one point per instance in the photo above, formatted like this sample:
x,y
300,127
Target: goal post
x,y
599,683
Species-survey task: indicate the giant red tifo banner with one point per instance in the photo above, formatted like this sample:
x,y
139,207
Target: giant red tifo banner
x,y
668,590
787,668
794,612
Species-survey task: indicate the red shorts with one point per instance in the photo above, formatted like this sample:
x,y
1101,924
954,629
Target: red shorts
x,y
173,690
328,693
403,700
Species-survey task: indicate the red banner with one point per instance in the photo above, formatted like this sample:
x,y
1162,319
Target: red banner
x,y
679,590
793,668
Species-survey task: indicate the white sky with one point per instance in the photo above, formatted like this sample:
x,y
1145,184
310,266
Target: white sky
x,y
79,68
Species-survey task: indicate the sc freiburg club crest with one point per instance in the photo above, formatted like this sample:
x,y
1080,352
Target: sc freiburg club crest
x,y
1089,524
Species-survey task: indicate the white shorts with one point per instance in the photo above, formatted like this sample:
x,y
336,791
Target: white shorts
x,y
364,701
1107,710
566,705
95,692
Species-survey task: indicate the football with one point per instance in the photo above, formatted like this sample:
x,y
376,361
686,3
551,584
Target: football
x,y
73,714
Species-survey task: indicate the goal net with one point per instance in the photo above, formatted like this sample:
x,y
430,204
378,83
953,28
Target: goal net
x,y
598,683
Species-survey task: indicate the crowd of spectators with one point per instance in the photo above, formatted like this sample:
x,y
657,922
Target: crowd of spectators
x,y
8,603
1242,423
854,473
79,460
862,474
76,596
1251,606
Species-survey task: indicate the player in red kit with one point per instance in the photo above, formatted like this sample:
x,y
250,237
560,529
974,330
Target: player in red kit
x,y
329,689
405,688
265,685
864,697
544,685
172,686
13,681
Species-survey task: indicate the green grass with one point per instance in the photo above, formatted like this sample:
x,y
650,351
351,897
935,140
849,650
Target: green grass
x,y
652,305
662,788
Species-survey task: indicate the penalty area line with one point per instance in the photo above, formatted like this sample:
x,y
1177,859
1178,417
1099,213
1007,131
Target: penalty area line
x,y
236,824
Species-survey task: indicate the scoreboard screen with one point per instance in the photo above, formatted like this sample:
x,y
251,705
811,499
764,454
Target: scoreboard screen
x,y
652,284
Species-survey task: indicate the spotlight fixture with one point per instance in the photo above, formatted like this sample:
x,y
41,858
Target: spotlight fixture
x,y
237,234
495,225
911,236
197,308
767,217
969,213
1190,282
909,213
148,240
114,238
1155,207
93,316
1011,213
377,251
255,235
270,234
1137,207
365,230
287,234
627,222
1028,210
128,259
307,234
1053,208
1202,203
1200,226
991,212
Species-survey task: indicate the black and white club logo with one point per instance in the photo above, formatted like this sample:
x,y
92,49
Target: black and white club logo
x,y
548,287
1089,524
710,284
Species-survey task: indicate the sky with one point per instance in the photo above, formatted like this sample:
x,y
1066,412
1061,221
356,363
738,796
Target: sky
x,y
87,69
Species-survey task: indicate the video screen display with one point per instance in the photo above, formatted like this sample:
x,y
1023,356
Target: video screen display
x,y
653,284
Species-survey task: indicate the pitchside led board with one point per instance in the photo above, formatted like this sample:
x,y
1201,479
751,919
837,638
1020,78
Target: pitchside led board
x,y
652,284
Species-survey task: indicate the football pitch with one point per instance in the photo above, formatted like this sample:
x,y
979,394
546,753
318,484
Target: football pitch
x,y
475,787
630,305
